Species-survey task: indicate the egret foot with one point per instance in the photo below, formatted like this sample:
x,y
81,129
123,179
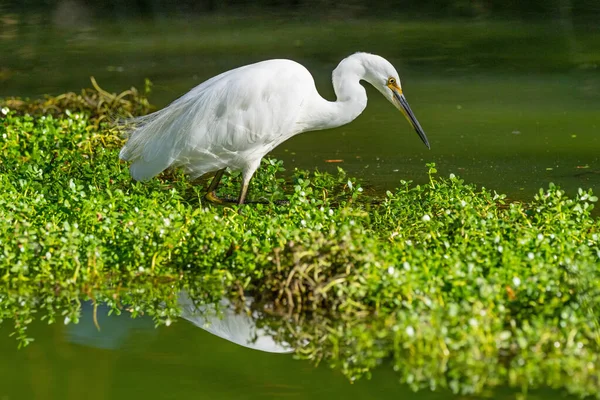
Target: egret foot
x,y
213,198
212,189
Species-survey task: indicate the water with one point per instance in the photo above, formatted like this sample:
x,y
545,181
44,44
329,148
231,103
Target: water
x,y
129,358
511,106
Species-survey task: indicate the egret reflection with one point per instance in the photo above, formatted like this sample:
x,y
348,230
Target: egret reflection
x,y
224,321
115,330
230,324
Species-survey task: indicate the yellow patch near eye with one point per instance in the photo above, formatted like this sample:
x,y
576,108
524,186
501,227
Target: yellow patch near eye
x,y
394,86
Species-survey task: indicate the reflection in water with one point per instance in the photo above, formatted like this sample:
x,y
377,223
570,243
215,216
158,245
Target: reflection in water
x,y
223,321
237,327
114,329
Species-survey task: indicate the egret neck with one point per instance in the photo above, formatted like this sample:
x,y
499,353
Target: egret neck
x,y
351,95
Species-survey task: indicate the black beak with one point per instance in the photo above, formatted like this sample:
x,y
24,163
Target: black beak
x,y
410,116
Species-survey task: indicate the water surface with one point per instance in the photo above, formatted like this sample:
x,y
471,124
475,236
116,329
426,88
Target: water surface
x,y
129,358
508,105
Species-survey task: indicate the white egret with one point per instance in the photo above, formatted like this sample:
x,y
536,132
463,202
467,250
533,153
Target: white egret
x,y
234,119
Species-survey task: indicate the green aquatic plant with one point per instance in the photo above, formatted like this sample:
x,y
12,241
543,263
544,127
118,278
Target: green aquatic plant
x,y
96,102
450,284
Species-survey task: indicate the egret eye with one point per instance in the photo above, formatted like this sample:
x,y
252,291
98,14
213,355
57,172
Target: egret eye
x,y
391,81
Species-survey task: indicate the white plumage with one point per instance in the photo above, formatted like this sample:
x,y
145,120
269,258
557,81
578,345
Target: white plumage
x,y
234,119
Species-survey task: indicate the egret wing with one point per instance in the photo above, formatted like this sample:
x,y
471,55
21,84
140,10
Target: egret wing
x,y
230,120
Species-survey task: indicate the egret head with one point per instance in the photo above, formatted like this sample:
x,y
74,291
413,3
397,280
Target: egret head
x,y
380,73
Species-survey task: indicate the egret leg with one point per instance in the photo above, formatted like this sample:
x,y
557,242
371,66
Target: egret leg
x,y
212,188
246,177
243,193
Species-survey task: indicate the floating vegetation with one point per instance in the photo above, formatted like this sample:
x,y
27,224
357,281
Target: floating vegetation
x,y
449,284
95,102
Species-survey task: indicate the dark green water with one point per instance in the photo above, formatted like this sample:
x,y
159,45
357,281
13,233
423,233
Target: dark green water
x,y
508,105
129,358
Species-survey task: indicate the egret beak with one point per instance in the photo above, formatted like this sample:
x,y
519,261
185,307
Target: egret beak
x,y
402,105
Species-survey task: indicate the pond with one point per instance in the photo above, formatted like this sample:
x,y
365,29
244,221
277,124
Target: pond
x,y
131,358
508,105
